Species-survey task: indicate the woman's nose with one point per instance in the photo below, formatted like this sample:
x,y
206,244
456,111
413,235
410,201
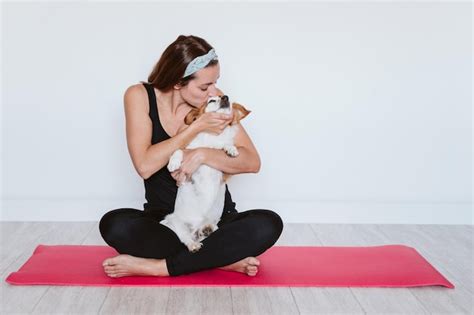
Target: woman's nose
x,y
212,90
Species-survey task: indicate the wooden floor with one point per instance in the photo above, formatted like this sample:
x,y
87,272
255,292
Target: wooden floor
x,y
449,248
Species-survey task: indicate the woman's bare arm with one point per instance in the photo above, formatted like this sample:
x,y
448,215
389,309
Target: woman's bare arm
x,y
248,160
147,158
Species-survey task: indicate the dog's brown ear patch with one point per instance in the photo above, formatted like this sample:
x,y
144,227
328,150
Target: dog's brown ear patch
x,y
239,113
225,177
191,116
194,114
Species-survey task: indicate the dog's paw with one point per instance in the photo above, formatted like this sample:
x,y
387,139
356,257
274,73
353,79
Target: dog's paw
x,y
208,229
197,235
194,246
204,232
231,150
175,160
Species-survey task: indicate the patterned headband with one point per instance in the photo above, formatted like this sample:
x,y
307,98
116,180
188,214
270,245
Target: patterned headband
x,y
200,62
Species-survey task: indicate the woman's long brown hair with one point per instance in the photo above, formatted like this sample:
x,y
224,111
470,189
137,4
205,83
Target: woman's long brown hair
x,y
169,69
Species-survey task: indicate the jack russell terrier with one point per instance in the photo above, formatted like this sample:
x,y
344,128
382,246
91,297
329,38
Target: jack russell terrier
x,y
200,201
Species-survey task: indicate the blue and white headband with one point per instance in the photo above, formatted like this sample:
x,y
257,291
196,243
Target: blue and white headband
x,y
200,62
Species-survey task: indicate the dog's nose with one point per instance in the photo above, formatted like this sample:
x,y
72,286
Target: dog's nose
x,y
224,101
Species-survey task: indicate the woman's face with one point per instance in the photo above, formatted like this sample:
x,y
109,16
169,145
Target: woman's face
x,y
203,86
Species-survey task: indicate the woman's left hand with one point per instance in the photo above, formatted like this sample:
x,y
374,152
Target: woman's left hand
x,y
192,159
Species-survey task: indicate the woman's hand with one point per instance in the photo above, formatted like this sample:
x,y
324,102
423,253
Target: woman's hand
x,y
192,159
213,122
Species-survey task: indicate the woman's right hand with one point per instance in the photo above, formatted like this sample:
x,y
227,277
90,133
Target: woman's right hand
x,y
213,122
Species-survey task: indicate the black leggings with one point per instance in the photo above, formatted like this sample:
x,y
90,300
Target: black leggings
x,y
240,234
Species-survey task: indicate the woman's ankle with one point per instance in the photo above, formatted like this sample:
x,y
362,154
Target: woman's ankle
x,y
160,268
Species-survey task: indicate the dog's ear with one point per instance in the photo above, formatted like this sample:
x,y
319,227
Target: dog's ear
x,y
239,113
191,116
194,114
225,177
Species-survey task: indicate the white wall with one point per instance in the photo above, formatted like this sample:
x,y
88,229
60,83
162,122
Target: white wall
x,y
361,112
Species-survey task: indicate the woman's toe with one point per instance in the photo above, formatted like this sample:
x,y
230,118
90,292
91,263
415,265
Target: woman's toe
x,y
119,275
253,261
111,270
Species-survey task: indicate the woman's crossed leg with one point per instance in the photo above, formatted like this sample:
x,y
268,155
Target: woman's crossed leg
x,y
149,248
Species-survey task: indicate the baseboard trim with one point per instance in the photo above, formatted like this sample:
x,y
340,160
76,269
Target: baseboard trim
x,y
290,211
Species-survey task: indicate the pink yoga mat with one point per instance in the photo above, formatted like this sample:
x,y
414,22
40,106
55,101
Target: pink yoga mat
x,y
305,266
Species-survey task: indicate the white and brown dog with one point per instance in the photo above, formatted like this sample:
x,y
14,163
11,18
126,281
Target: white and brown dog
x,y
200,201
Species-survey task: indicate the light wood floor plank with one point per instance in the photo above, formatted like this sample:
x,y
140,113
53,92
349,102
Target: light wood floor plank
x,y
457,247
463,235
199,300
17,299
73,299
445,258
447,248
279,300
135,300
438,300
298,234
18,237
317,300
326,300
94,237
373,300
265,300
23,299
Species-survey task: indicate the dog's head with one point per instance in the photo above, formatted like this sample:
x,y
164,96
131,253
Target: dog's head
x,y
218,104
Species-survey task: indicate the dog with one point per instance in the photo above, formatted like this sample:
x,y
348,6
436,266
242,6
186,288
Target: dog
x,y
200,201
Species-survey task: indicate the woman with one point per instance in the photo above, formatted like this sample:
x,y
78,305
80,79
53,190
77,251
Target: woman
x,y
183,79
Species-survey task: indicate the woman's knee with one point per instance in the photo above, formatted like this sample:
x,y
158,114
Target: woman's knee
x,y
111,225
130,232
106,222
268,226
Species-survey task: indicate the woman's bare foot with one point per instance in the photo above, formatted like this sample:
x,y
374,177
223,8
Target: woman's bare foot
x,y
247,265
127,265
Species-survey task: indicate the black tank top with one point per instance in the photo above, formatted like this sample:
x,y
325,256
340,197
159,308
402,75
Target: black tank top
x,y
160,188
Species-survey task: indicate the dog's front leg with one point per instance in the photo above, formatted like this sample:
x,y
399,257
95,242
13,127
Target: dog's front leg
x,y
231,150
175,160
